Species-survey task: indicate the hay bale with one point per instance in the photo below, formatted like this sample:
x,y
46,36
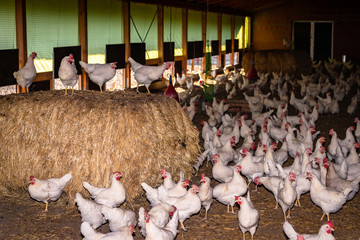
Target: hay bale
x,y
286,61
91,135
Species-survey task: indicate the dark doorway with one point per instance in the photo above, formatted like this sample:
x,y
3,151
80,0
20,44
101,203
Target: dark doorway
x,y
314,38
322,41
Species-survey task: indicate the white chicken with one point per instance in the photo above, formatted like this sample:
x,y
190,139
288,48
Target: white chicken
x,y
159,216
118,217
100,73
90,211
330,201
221,172
205,193
287,195
113,196
26,75
147,74
125,233
169,232
248,216
225,192
68,72
187,205
47,190
325,233
161,194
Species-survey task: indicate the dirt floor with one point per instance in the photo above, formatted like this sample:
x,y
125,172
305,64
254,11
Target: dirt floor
x,y
23,218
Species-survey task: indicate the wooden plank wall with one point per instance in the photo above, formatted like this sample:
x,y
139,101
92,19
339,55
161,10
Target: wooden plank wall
x,y
21,40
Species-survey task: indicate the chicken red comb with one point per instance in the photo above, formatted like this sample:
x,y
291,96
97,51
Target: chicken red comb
x,y
237,198
257,182
32,178
325,160
187,182
299,237
245,116
132,229
202,122
174,210
203,176
330,223
163,171
351,128
117,173
216,156
71,56
356,120
292,175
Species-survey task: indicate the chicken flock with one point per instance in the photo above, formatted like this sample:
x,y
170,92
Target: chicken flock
x,y
243,151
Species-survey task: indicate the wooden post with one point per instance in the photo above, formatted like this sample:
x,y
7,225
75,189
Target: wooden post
x,y
21,41
126,16
83,40
184,37
203,31
219,25
160,33
232,40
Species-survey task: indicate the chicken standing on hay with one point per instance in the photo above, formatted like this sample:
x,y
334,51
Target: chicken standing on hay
x,y
147,74
25,76
49,189
68,72
100,73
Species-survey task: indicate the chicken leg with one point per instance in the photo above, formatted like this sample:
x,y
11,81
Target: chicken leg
x,y
205,214
288,215
183,227
328,216
65,90
46,205
276,205
148,91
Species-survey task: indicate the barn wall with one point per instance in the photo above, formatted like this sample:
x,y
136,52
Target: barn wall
x,y
271,26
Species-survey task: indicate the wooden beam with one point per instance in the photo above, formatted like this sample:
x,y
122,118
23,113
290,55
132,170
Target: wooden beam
x,y
219,26
160,33
198,7
232,40
43,76
83,40
184,37
126,16
203,31
21,40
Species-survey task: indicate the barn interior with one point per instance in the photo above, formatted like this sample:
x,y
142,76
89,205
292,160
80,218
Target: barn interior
x,y
94,131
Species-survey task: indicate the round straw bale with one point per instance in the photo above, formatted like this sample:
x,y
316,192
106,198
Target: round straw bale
x,y
92,134
285,61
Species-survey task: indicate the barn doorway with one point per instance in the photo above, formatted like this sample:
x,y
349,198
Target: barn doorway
x,y
314,37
